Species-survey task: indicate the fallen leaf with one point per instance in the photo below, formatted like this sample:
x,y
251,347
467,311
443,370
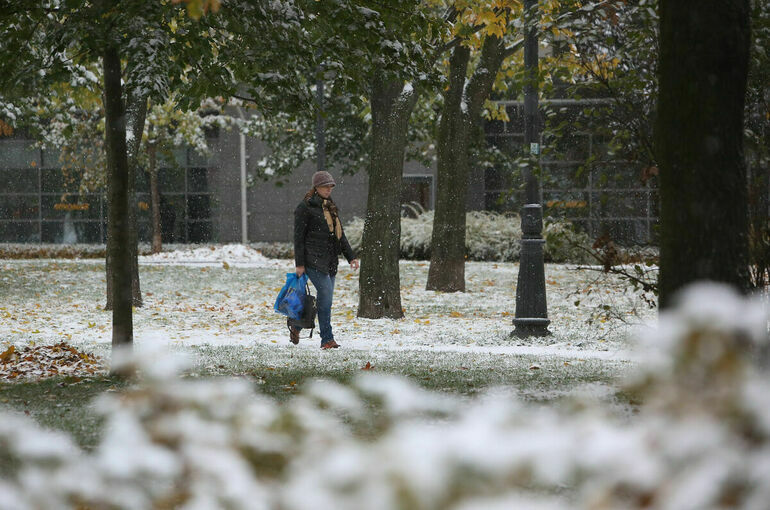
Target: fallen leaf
x,y
7,354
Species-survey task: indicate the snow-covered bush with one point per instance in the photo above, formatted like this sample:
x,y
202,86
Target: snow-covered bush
x,y
97,251
489,236
51,251
492,236
700,440
275,250
563,243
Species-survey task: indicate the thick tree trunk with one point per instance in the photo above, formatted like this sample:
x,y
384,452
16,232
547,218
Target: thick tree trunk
x,y
136,113
157,239
699,144
118,225
460,122
380,291
447,245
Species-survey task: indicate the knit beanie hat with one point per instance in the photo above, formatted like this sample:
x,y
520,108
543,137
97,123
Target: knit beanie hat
x,y
323,179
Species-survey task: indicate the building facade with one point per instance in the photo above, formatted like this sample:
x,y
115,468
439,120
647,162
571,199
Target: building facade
x,y
208,199
202,199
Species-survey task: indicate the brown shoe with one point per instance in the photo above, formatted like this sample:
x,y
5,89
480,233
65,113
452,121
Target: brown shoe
x,y
331,344
293,335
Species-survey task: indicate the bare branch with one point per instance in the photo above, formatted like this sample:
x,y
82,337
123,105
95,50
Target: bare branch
x,y
513,48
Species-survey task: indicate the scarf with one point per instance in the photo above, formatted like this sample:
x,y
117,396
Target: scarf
x,y
330,213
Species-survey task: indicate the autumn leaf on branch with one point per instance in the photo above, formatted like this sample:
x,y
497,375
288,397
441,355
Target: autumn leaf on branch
x,y
197,8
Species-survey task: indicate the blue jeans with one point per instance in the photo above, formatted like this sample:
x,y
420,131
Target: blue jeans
x,y
324,286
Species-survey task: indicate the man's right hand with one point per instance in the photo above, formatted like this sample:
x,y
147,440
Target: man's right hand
x,y
299,270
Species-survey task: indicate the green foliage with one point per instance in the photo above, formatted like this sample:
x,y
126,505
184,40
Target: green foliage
x,y
608,50
357,39
73,124
169,127
344,44
291,137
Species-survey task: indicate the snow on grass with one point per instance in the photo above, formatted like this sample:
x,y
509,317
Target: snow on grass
x,y
699,439
218,301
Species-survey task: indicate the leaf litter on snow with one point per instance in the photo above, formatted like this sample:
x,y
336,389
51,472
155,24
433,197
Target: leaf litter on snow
x,y
42,361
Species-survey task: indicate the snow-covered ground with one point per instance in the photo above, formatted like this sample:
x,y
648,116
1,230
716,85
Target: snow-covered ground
x,y
223,296
699,437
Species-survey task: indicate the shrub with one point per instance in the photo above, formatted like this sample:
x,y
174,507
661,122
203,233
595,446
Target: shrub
x,y
563,243
52,251
97,251
489,236
275,250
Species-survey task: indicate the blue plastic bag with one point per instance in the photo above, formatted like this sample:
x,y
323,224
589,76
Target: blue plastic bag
x,y
292,296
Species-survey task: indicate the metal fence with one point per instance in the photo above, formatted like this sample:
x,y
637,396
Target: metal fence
x,y
579,180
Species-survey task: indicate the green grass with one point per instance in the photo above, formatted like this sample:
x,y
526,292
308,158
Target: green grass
x,y
65,404
466,374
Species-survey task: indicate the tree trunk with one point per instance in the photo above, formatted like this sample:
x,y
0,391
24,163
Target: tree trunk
x,y
447,244
136,112
460,122
117,225
157,240
699,143
380,283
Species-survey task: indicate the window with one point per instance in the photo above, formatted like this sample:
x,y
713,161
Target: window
x,y
42,204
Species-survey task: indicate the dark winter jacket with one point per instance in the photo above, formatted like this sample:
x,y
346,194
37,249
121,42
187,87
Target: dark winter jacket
x,y
314,245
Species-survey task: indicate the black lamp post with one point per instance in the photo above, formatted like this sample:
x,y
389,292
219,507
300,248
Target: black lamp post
x,y
531,317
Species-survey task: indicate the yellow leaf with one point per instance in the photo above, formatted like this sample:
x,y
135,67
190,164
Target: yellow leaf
x,y
7,354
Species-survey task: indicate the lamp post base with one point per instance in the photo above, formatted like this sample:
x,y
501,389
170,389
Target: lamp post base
x,y
530,327
531,308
